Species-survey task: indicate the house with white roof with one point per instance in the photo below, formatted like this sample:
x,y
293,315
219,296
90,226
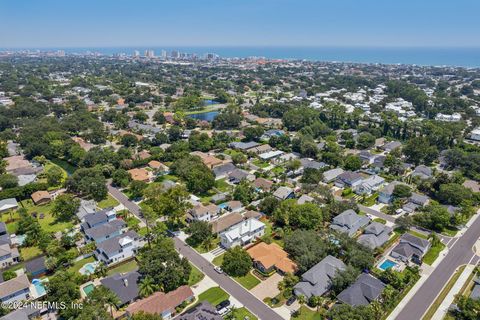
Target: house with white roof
x,y
242,233
118,248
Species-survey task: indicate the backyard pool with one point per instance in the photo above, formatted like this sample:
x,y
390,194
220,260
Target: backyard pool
x,y
223,205
39,287
89,268
88,289
387,264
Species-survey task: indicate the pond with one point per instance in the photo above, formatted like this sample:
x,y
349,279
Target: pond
x,y
207,116
209,102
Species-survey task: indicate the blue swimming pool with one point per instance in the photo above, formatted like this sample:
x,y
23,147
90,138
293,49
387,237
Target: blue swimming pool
x,y
223,205
387,264
39,287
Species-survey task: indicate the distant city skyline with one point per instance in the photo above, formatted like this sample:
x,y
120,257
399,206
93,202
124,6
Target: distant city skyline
x,y
268,23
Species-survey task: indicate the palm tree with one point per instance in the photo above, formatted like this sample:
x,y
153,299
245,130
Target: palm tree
x,y
101,270
232,315
208,243
301,301
147,286
105,296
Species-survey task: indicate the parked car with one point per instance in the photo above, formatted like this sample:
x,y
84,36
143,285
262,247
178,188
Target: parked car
x,y
222,305
218,269
291,300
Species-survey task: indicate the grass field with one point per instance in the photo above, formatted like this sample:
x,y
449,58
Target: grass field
x,y
218,260
28,253
248,281
418,234
307,314
243,313
433,253
195,276
125,267
48,223
213,295
108,202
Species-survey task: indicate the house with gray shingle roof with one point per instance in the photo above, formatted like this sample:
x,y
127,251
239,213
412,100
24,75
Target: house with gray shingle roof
x,y
375,235
283,193
349,222
105,231
118,248
363,291
8,204
318,279
124,285
410,248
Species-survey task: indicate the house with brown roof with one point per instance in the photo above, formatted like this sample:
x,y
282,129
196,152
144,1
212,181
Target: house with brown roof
x,y
157,166
140,174
226,221
263,184
209,160
142,155
271,257
41,197
161,303
82,143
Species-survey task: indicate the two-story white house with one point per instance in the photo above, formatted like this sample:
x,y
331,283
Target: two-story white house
x,y
118,248
242,233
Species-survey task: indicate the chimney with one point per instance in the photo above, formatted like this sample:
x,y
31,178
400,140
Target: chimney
x,y
125,282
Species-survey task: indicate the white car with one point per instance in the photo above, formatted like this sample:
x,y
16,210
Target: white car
x,y
218,269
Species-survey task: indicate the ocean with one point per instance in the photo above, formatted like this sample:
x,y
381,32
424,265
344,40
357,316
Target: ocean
x,y
464,57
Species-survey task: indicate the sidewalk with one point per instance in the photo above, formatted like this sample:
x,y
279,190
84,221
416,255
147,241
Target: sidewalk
x,y
443,308
424,276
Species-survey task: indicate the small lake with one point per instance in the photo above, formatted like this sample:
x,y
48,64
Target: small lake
x,y
209,102
206,116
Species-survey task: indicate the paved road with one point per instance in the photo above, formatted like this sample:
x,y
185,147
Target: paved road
x,y
131,206
261,310
460,253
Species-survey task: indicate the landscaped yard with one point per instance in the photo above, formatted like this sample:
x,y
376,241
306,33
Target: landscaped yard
x,y
213,295
125,267
195,276
48,165
307,314
243,313
261,164
108,202
48,223
28,253
222,185
433,253
248,281
79,264
218,260
418,234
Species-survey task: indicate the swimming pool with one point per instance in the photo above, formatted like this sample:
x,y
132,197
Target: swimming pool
x,y
387,264
88,289
223,205
88,268
39,287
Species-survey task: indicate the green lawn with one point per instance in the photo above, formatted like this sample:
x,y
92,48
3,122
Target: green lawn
x,y
433,253
195,276
48,223
380,220
65,165
278,170
450,232
48,165
213,295
125,267
108,202
243,313
79,264
418,234
218,260
261,164
28,253
307,314
222,185
248,281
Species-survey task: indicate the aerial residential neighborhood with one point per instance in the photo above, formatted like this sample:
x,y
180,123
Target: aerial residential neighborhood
x,y
179,182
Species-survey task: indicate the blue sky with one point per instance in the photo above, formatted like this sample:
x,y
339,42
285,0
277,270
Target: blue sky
x,y
102,23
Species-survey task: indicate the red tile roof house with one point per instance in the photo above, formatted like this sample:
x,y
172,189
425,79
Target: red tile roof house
x,y
161,303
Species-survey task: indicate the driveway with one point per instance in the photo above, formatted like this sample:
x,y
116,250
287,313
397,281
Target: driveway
x,y
268,287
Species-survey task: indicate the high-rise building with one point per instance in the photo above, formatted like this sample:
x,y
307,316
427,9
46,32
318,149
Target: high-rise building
x,y
175,54
136,54
164,54
149,54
